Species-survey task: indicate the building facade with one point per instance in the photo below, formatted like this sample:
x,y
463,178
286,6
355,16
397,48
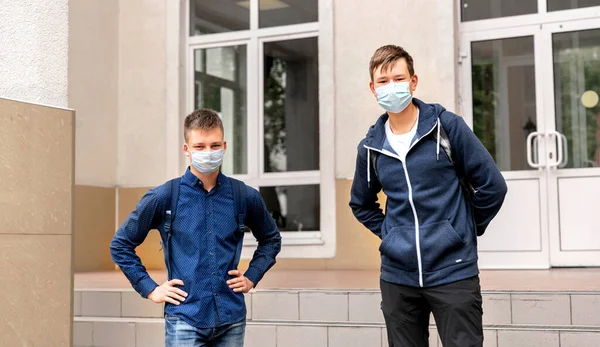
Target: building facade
x,y
290,79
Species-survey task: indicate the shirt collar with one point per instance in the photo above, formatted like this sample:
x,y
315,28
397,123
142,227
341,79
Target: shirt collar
x,y
192,180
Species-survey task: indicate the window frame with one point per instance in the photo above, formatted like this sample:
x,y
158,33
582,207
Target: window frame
x,y
305,244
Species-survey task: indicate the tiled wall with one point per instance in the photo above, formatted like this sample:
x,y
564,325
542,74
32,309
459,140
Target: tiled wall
x,y
36,187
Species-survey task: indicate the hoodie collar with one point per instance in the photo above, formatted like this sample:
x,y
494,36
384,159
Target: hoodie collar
x,y
428,117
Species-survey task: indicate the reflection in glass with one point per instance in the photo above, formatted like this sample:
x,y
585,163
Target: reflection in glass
x,y
504,100
486,9
220,84
576,80
557,5
294,208
287,12
291,106
218,16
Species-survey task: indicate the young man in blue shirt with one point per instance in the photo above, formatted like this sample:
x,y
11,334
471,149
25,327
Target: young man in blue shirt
x,y
204,294
443,189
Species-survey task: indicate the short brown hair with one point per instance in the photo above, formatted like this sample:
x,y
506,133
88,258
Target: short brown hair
x,y
203,119
387,56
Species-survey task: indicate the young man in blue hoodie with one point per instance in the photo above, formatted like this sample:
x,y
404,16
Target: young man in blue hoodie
x,y
443,189
201,218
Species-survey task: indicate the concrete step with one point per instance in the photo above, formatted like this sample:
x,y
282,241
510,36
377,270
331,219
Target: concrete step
x,y
149,332
560,309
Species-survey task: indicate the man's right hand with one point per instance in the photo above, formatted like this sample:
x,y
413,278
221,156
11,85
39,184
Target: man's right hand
x,y
167,292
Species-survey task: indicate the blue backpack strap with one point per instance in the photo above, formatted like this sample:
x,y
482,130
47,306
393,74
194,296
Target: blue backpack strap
x,y
171,203
170,210
239,200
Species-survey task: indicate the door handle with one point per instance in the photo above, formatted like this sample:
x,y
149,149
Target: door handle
x,y
560,142
530,139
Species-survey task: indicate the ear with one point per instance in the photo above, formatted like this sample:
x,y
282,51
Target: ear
x,y
414,83
372,87
186,150
224,146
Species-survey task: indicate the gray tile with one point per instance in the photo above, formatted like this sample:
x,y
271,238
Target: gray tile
x,y
433,338
101,304
133,305
512,338
150,334
585,309
496,309
113,334
354,337
384,338
248,301
260,336
575,339
324,307
551,309
83,334
301,336
365,307
77,303
275,305
490,338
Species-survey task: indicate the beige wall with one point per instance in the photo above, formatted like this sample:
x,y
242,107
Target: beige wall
x,y
427,31
95,209
118,86
36,188
142,93
93,76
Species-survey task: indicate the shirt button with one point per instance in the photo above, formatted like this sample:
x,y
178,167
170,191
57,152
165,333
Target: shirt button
x,y
211,254
208,212
216,294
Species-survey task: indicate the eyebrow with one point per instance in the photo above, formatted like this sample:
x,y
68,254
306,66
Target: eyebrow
x,y
204,144
395,76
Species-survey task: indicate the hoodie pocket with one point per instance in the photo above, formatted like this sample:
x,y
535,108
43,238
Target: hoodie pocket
x,y
399,247
441,246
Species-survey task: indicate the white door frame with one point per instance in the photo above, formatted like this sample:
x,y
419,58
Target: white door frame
x,y
559,256
541,26
499,253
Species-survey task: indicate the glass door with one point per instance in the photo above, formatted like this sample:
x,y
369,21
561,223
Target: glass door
x,y
574,117
501,74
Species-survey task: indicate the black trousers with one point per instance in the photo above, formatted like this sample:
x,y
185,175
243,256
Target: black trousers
x,y
456,308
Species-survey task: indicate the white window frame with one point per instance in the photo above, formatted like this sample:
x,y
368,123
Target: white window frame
x,y
305,244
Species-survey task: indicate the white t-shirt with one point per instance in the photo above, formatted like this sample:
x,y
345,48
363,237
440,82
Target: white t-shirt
x,y
401,143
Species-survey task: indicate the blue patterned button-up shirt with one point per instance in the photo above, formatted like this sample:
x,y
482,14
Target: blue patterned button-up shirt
x,y
204,239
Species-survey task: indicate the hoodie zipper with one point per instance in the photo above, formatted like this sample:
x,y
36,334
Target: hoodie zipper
x,y
410,198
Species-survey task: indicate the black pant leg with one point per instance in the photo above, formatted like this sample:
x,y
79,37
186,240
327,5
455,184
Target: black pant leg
x,y
457,309
406,314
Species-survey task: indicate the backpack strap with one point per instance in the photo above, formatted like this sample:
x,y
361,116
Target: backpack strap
x,y
171,203
240,195
466,186
239,199
170,210
374,155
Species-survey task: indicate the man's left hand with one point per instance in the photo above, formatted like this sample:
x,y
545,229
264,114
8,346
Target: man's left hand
x,y
239,284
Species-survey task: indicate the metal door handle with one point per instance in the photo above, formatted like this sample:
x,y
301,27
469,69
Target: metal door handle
x,y
559,148
530,161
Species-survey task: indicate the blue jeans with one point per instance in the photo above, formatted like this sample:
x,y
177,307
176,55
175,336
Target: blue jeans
x,y
178,333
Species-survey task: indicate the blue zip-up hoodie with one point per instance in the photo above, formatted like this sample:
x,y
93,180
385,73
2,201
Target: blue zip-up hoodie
x,y
429,229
